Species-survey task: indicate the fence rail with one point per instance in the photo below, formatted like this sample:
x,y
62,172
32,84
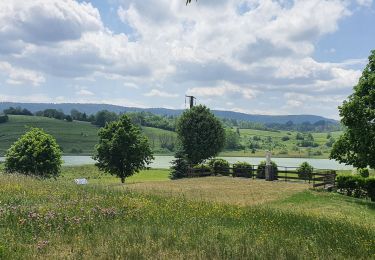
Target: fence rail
x,y
318,178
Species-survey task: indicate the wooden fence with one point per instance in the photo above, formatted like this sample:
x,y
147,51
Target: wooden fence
x,y
318,178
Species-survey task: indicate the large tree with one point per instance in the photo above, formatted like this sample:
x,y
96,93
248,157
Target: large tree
x,y
122,149
35,153
201,134
357,145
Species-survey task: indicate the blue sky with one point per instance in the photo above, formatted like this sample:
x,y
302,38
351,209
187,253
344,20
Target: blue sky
x,y
252,56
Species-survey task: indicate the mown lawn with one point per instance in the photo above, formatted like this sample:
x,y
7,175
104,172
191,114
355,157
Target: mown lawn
x,y
57,219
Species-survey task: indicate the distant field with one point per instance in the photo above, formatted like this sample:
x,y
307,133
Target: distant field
x,y
153,217
73,137
282,148
80,138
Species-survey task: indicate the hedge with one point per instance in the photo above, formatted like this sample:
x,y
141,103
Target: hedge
x,y
242,169
356,186
219,166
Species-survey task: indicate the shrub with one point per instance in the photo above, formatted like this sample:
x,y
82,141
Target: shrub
x,y
370,188
76,150
4,118
308,143
364,172
219,166
285,138
242,169
350,184
35,153
180,166
284,151
305,171
201,170
300,136
357,186
261,170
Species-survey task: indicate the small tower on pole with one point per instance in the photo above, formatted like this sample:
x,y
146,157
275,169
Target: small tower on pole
x,y
191,100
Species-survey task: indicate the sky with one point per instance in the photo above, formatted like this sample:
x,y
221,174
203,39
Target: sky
x,y
250,56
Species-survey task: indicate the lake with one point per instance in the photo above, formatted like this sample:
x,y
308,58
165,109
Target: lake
x,y
164,161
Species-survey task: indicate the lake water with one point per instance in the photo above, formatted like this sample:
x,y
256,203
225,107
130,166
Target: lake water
x,y
164,161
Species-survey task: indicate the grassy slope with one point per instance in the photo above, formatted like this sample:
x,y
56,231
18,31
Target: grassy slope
x,y
57,219
74,135
246,134
82,136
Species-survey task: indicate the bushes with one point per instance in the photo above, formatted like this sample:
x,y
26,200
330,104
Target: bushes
x,y
4,118
219,166
370,188
305,171
180,166
242,169
201,170
261,170
356,186
364,172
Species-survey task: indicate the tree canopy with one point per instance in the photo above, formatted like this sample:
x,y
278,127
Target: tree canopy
x,y
201,134
35,153
357,145
122,149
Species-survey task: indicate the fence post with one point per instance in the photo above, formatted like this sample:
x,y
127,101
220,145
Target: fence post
x,y
313,175
286,173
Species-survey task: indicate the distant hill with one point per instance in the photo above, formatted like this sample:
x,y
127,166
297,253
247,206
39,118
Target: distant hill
x,y
93,108
75,138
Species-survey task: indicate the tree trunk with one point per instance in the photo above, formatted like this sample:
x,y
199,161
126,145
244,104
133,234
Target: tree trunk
x,y
122,179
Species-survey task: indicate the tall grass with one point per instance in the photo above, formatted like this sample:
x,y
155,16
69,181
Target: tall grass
x,y
56,219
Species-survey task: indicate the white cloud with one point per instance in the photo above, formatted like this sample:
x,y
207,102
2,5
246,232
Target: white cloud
x,y
236,49
84,92
365,3
20,76
41,21
224,89
158,93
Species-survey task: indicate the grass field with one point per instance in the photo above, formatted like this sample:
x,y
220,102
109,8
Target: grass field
x,y
282,148
73,137
151,217
79,138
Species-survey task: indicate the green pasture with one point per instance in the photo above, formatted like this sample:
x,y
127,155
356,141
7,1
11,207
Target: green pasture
x,y
203,218
279,147
75,138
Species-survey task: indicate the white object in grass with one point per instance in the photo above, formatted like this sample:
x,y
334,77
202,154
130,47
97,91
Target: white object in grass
x,y
81,181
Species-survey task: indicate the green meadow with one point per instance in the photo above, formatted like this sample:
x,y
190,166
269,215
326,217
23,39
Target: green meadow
x,y
153,217
79,138
75,138
273,140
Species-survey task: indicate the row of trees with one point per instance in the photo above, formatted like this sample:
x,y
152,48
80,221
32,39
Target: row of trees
x,y
169,122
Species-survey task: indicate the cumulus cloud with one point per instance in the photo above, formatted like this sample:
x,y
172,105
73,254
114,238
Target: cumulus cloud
x,y
236,49
84,92
159,93
365,3
224,90
19,76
